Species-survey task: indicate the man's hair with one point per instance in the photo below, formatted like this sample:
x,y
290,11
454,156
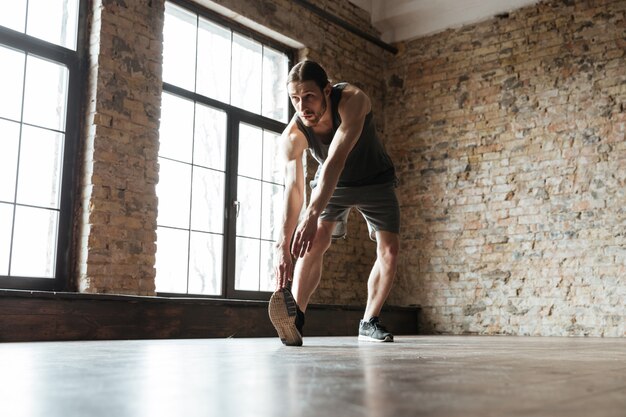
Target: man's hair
x,y
308,71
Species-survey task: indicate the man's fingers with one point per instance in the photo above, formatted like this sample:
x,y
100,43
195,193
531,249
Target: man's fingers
x,y
284,277
299,243
306,246
302,242
295,247
281,276
283,273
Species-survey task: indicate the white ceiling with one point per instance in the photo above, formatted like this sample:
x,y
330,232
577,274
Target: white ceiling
x,y
399,20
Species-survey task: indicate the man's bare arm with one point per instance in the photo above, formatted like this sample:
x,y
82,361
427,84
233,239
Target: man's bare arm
x,y
293,145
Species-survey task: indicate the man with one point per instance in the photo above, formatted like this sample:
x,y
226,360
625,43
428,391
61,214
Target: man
x,y
335,123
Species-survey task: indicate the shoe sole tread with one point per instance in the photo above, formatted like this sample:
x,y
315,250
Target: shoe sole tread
x,y
282,310
364,338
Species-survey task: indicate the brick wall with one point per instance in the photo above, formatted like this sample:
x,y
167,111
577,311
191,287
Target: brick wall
x,y
510,139
117,228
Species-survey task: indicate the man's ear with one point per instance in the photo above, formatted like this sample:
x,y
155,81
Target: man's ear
x,y
327,89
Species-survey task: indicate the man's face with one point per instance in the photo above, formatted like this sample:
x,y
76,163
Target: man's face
x,y
308,101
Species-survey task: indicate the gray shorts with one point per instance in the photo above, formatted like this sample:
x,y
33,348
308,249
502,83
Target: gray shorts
x,y
377,203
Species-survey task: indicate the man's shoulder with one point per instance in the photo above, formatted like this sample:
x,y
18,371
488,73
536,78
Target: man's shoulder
x,y
293,142
353,97
293,132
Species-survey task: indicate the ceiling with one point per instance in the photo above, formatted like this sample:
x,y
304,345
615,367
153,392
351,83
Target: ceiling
x,y
399,20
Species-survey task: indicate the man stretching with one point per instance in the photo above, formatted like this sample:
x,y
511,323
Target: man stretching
x,y
336,124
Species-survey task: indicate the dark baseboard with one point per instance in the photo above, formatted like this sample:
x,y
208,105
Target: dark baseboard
x,y
27,316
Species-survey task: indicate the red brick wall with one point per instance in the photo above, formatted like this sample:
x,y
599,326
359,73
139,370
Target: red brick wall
x,y
509,138
117,224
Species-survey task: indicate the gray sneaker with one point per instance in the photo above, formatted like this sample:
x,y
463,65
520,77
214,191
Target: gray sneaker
x,y
373,331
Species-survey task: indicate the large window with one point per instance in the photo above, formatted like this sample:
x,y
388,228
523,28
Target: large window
x,y
39,87
220,190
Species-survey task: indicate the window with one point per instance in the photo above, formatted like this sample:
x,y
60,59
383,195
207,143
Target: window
x,y
39,98
224,106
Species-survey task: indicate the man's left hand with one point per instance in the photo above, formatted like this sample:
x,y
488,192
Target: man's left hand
x,y
305,235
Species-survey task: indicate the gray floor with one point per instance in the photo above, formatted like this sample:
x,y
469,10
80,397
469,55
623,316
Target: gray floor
x,y
416,376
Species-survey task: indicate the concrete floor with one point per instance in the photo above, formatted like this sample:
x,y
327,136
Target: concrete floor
x,y
443,376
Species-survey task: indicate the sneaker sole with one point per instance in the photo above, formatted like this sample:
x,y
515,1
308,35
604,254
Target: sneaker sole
x,y
282,311
371,339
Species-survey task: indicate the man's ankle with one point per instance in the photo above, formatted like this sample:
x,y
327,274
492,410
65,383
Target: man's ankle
x,y
299,319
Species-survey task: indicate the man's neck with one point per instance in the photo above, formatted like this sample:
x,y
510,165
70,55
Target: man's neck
x,y
325,125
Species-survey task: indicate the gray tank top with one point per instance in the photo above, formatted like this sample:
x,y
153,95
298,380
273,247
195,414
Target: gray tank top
x,y
368,163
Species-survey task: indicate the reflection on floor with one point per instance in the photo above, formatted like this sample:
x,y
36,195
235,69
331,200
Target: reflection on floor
x,y
415,376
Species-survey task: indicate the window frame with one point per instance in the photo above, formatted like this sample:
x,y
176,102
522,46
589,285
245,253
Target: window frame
x,y
75,62
234,117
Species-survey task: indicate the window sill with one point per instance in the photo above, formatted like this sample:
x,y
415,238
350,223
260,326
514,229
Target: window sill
x,y
57,316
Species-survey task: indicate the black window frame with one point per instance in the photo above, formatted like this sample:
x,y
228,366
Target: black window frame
x,y
234,116
75,62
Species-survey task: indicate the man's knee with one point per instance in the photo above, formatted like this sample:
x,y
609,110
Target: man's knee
x,y
388,247
323,237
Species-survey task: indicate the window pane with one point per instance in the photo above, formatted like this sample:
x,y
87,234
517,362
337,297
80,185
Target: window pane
x,y
9,141
275,70
171,260
246,74
11,83
272,211
13,15
41,159
179,47
207,209
45,95
272,165
209,148
205,264
54,21
174,193
213,61
249,197
6,221
176,129
247,264
267,280
34,242
250,151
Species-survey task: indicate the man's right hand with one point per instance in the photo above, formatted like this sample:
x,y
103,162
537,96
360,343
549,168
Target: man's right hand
x,y
283,266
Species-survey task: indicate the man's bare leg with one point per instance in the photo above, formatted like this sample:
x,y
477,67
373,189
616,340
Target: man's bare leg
x,y
383,273
288,321
308,270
